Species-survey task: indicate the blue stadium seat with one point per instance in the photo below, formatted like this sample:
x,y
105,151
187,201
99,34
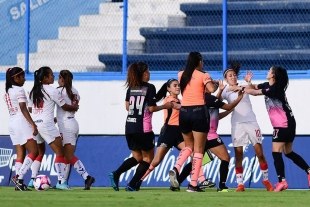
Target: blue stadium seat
x,y
260,34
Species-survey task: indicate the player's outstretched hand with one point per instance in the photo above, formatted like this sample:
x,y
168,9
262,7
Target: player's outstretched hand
x,y
221,84
249,75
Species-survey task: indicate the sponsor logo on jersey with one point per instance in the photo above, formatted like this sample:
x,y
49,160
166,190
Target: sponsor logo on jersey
x,y
134,120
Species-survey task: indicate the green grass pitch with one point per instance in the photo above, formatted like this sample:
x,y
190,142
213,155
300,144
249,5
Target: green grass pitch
x,y
158,197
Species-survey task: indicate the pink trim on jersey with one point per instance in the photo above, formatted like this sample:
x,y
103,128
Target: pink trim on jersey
x,y
277,117
214,122
147,120
276,112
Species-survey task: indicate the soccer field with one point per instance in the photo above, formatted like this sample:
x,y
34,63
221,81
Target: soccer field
x,y
159,197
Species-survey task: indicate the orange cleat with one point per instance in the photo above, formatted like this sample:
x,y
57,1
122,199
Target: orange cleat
x,y
240,188
281,186
268,185
309,180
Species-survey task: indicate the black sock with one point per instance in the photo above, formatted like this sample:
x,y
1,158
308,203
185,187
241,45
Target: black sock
x,y
279,165
223,173
140,171
185,172
299,161
126,165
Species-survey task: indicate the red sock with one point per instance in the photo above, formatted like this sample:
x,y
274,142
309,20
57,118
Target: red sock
x,y
264,169
239,175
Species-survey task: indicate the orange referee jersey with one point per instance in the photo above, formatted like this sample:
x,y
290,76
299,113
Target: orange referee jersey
x,y
193,94
174,117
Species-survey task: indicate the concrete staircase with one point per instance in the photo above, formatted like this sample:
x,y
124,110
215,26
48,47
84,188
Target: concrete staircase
x,y
78,48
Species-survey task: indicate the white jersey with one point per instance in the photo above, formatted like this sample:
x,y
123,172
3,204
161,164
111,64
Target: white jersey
x,y
15,96
63,115
45,113
243,112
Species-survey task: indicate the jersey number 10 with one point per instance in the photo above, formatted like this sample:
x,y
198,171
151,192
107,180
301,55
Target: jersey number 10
x,y
136,101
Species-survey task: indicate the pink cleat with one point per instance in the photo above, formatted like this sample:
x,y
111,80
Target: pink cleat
x,y
309,180
281,186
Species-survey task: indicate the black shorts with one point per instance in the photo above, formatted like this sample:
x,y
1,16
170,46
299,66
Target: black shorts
x,y
284,134
194,118
170,136
141,141
213,143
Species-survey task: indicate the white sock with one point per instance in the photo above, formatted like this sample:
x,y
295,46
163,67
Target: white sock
x,y
239,177
18,165
67,169
79,167
25,167
60,169
35,167
265,174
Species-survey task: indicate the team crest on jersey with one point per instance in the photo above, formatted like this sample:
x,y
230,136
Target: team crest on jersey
x,y
219,140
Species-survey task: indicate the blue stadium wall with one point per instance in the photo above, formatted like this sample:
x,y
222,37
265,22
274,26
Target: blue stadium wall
x,y
103,154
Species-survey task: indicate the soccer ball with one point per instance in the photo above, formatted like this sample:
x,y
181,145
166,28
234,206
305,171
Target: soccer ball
x,y
41,183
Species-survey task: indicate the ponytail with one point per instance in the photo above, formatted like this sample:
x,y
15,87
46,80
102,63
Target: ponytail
x,y
135,73
68,77
9,77
36,93
162,93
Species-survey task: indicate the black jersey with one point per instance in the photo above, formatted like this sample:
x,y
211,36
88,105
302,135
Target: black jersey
x,y
139,119
279,111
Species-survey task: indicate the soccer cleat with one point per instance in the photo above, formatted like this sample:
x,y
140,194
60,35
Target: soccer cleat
x,y
268,185
114,182
174,189
206,184
63,186
19,184
174,176
128,188
30,184
240,188
194,189
138,185
88,182
222,190
281,186
309,180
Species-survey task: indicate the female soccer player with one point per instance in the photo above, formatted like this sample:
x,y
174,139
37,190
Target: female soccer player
x,y
215,143
244,127
69,127
42,101
193,119
170,134
282,120
22,129
140,104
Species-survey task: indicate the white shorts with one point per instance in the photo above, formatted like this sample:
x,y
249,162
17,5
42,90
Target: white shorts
x,y
69,131
47,132
244,133
20,131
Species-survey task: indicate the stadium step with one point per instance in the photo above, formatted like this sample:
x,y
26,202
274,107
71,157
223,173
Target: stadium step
x,y
245,37
247,12
61,59
134,20
250,60
109,46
